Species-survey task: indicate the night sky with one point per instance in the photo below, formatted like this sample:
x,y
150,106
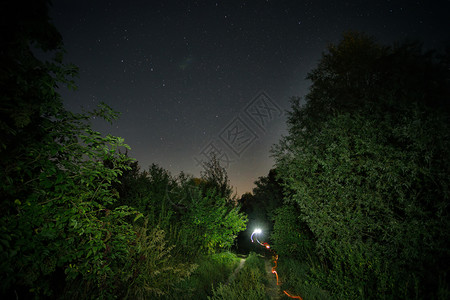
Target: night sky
x,y
191,77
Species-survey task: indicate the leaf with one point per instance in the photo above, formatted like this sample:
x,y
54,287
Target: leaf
x,y
138,216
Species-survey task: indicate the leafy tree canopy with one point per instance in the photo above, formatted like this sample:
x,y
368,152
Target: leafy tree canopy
x,y
56,196
366,162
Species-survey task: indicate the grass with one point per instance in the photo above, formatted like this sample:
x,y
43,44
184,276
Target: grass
x,y
212,270
248,284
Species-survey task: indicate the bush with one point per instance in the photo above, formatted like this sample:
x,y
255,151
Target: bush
x,y
291,237
367,162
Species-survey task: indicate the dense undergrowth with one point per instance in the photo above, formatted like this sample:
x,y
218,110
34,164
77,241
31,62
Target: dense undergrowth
x,y
212,270
248,284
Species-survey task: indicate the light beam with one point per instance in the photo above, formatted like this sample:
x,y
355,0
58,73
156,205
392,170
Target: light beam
x,y
275,257
256,231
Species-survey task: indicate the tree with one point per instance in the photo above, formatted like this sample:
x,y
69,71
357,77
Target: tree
x,y
365,162
260,207
56,217
214,176
268,194
63,232
210,223
196,213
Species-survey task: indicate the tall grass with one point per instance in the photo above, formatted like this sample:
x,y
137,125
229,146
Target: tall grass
x,y
248,284
212,270
155,270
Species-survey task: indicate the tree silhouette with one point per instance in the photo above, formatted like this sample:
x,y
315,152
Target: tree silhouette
x,y
366,162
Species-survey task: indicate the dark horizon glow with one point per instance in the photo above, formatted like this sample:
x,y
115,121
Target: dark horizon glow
x,y
186,76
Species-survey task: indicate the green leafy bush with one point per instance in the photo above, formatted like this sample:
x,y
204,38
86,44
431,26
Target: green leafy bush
x,y
367,162
291,236
211,224
58,212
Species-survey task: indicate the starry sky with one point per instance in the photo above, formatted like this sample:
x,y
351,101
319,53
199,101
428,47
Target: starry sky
x,y
195,77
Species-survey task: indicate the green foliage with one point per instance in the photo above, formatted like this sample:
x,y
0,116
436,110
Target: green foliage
x,y
59,222
212,222
28,84
196,218
153,272
148,192
63,231
296,276
291,236
366,163
256,263
56,200
55,189
212,269
248,284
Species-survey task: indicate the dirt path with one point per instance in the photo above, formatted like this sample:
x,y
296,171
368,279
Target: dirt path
x,y
232,276
272,290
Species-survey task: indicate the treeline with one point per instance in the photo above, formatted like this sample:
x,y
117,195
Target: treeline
x,y
357,205
79,220
364,174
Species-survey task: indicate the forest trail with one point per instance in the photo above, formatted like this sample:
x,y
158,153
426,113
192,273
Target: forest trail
x,y
238,268
272,289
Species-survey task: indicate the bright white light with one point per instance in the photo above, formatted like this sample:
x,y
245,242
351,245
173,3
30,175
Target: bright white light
x,y
256,231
